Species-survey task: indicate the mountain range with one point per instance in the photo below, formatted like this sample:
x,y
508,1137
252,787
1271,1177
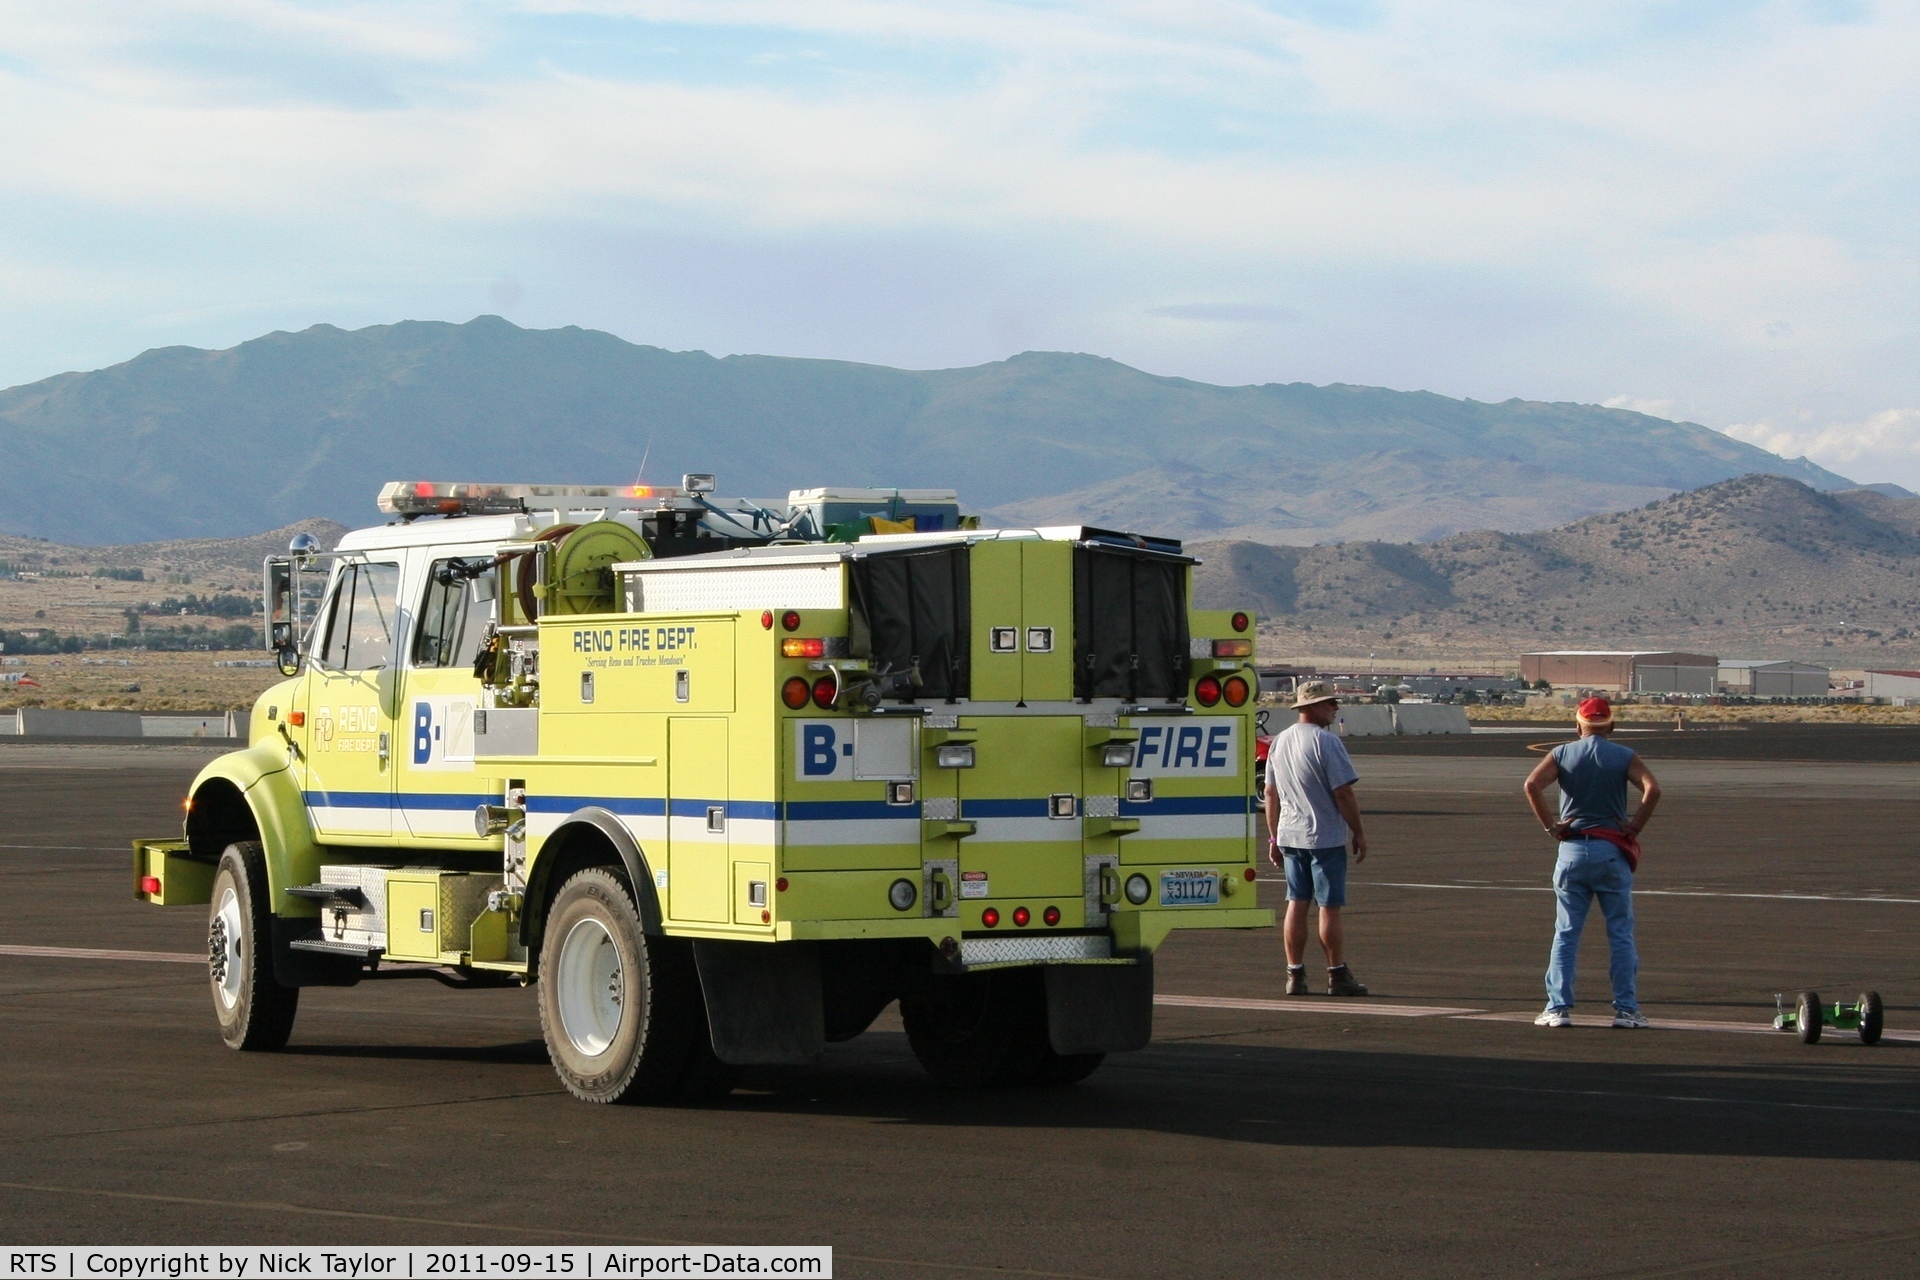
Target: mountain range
x,y
187,443
1760,567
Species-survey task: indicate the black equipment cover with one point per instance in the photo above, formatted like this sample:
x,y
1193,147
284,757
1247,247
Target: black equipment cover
x,y
913,612
1130,632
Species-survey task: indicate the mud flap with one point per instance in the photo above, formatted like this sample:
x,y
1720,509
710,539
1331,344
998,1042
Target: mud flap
x,y
1100,1008
763,1000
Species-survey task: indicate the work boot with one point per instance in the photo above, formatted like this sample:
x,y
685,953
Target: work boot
x,y
1297,981
1340,982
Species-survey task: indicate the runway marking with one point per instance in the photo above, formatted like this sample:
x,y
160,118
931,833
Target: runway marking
x,y
282,1207
83,848
1686,1097
1372,1008
1638,893
95,953
1361,1007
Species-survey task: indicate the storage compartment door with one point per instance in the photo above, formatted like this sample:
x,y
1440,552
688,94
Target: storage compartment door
x,y
698,851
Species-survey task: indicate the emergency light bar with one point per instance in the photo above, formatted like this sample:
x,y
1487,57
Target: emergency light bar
x,y
429,497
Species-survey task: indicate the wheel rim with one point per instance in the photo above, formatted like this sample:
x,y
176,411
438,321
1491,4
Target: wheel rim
x,y
592,988
223,950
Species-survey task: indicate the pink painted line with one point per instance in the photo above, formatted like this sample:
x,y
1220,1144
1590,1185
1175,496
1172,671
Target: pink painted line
x,y
1317,1005
91,953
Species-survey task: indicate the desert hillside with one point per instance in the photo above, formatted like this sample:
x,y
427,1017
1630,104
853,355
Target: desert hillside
x,y
1761,566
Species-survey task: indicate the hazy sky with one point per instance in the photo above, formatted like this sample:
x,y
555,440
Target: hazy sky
x,y
1703,210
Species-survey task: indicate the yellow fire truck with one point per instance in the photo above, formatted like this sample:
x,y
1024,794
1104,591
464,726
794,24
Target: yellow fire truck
x,y
723,779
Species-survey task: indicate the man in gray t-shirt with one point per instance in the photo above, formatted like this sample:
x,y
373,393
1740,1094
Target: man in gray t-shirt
x,y
1311,815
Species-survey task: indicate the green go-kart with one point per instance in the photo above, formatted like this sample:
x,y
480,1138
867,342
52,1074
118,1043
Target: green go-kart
x,y
1809,1016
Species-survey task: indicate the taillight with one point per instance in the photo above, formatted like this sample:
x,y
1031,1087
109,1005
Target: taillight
x,y
1240,621
149,884
795,692
793,648
1235,691
1022,916
1233,648
1051,915
766,619
990,918
790,620
1206,691
825,690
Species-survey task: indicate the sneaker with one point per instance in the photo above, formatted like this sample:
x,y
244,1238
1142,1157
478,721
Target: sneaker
x,y
1554,1018
1297,983
1630,1019
1340,983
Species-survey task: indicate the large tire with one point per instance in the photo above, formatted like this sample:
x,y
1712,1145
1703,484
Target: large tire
x,y
254,1011
977,1030
1808,1017
621,1011
1873,1017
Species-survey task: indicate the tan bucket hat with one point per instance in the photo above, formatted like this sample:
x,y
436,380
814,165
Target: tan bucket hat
x,y
1309,692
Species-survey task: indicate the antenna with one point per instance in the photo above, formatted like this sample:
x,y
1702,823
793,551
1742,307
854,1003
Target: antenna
x,y
642,477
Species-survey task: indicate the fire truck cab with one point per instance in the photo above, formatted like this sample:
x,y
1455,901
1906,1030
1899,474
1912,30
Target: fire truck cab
x,y
722,780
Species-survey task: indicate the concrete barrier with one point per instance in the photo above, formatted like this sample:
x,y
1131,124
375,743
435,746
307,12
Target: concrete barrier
x,y
1423,718
44,721
205,726
1365,721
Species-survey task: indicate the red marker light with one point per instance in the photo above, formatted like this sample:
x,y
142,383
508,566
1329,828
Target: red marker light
x,y
1240,621
795,692
766,619
1206,691
766,917
825,690
790,620
1051,915
780,885
149,884
1235,691
297,719
990,918
1249,874
1021,916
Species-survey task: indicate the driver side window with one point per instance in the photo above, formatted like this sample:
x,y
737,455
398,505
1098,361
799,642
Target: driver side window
x,y
359,634
454,615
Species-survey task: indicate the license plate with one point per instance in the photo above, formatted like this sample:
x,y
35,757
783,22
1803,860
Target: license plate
x,y
1189,889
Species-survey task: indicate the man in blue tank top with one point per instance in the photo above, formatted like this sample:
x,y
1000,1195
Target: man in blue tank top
x,y
1599,852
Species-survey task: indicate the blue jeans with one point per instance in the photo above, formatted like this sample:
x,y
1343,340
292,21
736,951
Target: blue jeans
x,y
1590,869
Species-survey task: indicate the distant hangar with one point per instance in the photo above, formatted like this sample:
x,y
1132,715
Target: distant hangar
x,y
1670,671
1623,670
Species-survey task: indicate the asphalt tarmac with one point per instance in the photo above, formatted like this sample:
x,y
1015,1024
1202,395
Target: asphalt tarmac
x,y
1429,1130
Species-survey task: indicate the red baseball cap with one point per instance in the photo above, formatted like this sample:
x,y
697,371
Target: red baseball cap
x,y
1595,711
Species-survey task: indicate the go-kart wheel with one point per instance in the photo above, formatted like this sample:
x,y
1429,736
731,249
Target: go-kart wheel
x,y
1872,1017
1806,1015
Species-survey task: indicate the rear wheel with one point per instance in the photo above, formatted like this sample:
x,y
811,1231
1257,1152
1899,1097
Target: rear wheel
x,y
980,1029
1806,1014
254,1011
621,1011
1872,1017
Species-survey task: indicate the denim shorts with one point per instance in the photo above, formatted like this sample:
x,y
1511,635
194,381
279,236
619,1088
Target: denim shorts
x,y
1317,875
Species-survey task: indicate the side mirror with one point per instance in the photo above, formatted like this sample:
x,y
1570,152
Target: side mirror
x,y
280,598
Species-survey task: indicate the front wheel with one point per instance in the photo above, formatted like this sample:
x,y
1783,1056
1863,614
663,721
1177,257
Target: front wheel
x,y
1872,1017
255,1012
1809,1017
621,1011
